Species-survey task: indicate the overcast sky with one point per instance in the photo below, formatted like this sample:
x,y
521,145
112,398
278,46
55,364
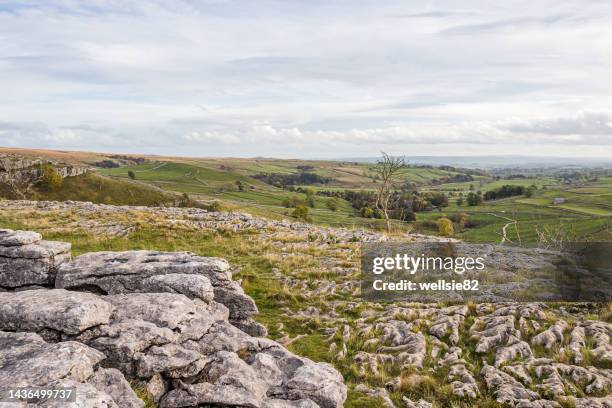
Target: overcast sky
x,y
308,78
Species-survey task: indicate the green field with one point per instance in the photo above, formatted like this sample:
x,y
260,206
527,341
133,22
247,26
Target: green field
x,y
580,211
584,213
578,206
217,180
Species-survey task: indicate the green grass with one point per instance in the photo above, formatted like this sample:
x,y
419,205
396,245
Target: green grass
x,y
103,190
587,209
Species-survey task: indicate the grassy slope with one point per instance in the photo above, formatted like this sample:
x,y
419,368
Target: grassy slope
x,y
216,183
99,189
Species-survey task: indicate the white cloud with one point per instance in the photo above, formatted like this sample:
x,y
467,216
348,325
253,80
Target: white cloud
x,y
293,77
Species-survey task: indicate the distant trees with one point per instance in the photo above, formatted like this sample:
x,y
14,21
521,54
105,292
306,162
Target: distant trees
x,y
474,199
504,191
461,220
106,164
530,191
131,175
283,180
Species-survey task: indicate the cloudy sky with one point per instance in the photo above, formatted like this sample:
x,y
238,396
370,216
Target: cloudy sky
x,y
308,78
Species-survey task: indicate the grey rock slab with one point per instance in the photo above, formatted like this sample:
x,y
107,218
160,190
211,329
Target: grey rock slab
x,y
120,341
26,359
230,381
163,359
57,309
276,403
17,272
192,286
41,249
133,272
189,318
318,382
15,238
505,388
114,272
87,396
112,382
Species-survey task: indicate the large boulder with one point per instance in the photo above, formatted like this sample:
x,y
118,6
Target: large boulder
x,y
26,259
152,272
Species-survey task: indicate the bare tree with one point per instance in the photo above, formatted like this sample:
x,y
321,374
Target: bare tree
x,y
387,170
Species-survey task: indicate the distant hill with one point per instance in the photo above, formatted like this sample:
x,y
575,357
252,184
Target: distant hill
x,y
488,162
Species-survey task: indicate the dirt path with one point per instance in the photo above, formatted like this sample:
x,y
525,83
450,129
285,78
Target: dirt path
x,y
505,227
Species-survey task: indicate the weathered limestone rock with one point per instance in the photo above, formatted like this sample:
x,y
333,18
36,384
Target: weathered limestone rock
x,y
447,326
576,343
25,259
380,392
551,336
149,271
496,331
463,382
514,348
603,402
10,238
27,360
52,309
113,383
506,389
418,404
186,346
600,331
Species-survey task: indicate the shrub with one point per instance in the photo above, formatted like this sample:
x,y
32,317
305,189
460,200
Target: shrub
x,y
445,227
131,175
292,202
367,212
50,179
214,206
300,212
461,219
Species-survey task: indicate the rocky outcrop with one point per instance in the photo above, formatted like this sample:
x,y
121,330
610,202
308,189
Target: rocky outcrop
x,y
52,311
150,272
170,322
26,259
28,360
12,167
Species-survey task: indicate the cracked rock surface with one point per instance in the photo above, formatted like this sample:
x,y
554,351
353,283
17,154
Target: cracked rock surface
x,y
163,320
27,260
